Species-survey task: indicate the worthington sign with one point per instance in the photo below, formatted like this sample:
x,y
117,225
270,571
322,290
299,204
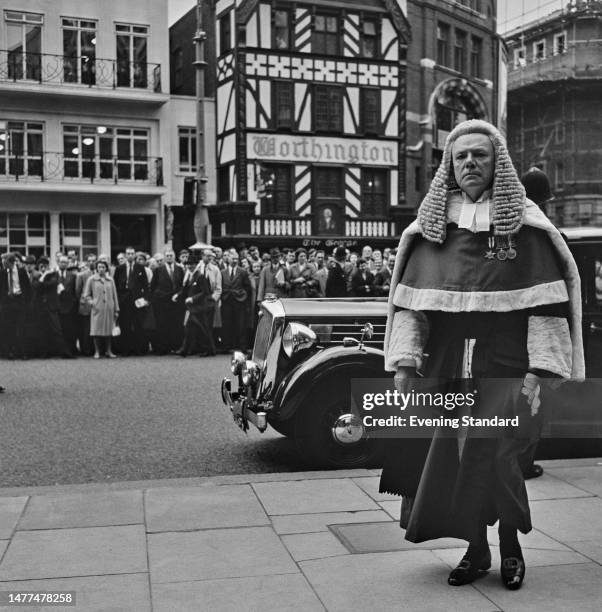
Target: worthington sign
x,y
282,147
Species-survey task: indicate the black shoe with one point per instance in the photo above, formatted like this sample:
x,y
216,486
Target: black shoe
x,y
182,353
2,389
513,572
533,471
468,571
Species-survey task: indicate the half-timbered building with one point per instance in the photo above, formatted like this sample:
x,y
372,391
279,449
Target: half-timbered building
x,y
311,122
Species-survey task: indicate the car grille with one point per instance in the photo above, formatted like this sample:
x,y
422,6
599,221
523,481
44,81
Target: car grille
x,y
262,338
351,329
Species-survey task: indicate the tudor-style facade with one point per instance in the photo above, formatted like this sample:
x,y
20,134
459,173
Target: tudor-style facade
x,y
311,122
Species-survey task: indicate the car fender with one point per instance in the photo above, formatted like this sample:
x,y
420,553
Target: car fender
x,y
296,387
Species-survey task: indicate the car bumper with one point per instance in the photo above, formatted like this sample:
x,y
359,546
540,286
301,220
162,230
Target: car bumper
x,y
241,413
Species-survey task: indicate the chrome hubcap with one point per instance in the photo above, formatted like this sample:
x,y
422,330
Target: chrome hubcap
x,y
347,429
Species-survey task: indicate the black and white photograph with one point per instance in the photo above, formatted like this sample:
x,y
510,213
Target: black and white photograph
x,y
301,305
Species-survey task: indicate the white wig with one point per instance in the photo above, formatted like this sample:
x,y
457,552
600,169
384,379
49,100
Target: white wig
x,y
508,195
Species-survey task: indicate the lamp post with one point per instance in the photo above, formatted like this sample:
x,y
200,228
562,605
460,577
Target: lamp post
x,y
202,229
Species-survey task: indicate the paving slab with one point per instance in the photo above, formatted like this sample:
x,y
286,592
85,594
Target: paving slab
x,y
568,519
411,580
88,551
309,523
550,487
587,478
3,546
384,537
207,507
116,593
534,557
556,589
303,546
83,510
534,539
591,549
11,509
370,486
289,592
313,496
392,508
217,553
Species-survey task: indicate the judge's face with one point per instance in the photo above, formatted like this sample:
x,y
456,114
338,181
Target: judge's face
x,y
473,160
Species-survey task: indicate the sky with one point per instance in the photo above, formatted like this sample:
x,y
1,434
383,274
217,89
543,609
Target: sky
x,y
511,13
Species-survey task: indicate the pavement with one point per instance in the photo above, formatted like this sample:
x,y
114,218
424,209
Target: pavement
x,y
290,541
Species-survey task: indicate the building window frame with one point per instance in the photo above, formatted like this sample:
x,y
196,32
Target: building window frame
x,y
131,52
81,234
22,148
460,38
539,50
476,51
279,197
520,56
282,28
370,111
331,120
19,233
24,62
443,35
326,40
283,105
187,141
374,191
225,33
79,61
560,47
370,37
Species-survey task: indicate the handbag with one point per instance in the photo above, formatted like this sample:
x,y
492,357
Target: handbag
x,y
116,330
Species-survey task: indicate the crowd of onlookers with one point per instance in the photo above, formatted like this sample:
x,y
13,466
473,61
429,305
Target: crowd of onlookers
x,y
166,304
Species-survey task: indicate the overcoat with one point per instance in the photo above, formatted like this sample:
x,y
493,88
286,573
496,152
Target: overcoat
x,y
101,294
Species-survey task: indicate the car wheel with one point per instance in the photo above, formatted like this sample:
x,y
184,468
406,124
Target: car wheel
x,y
328,435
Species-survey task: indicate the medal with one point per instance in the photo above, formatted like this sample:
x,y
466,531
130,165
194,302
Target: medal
x,y
501,255
489,254
511,250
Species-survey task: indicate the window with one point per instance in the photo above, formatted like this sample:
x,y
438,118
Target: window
x,y
460,51
105,153
476,49
370,38
282,29
223,184
520,57
24,45
132,55
559,177
475,5
28,233
374,192
328,183
79,51
328,108
21,148
278,199
225,34
370,111
560,43
187,147
325,35
442,44
559,132
80,233
539,50
283,105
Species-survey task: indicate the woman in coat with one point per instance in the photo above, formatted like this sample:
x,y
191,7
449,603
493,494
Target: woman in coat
x,y
101,295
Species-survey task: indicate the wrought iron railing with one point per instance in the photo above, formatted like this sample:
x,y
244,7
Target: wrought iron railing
x,y
18,66
304,226
53,167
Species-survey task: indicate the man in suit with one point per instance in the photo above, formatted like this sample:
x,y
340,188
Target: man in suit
x,y
198,332
166,285
46,304
362,280
67,303
132,292
84,309
336,284
382,279
236,288
214,274
15,292
31,333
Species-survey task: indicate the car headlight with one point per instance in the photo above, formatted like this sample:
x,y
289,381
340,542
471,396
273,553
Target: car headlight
x,y
237,363
250,373
297,337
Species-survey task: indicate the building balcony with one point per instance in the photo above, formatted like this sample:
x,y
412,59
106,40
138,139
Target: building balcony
x,y
579,61
70,172
85,75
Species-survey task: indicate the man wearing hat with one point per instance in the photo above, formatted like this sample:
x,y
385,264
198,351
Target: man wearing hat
x,y
15,293
273,279
486,287
336,285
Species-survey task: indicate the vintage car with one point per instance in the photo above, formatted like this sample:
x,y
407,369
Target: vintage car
x,y
306,352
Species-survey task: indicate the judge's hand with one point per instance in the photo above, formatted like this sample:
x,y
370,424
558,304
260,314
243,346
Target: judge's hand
x,y
188,300
531,389
403,378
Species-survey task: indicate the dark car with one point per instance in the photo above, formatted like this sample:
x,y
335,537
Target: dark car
x,y
307,351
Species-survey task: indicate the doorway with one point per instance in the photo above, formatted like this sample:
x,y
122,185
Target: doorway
x,y
131,230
